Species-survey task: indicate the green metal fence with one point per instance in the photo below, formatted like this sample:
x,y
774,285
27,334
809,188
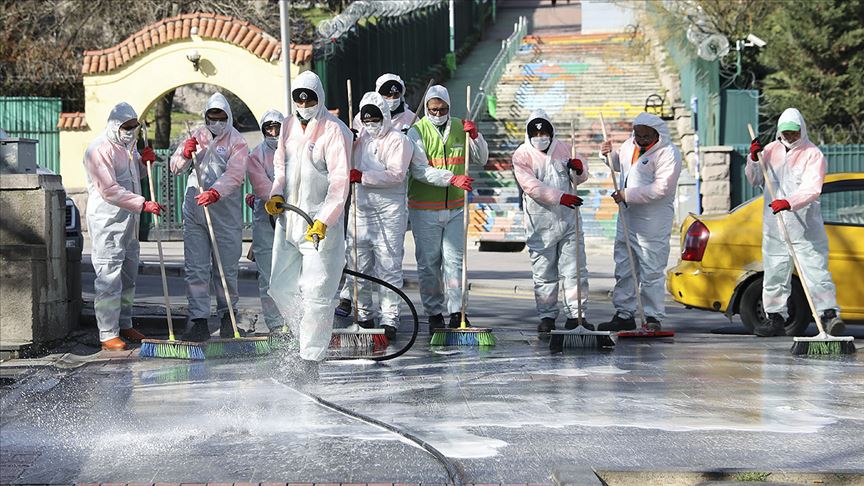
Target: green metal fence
x,y
31,117
170,191
412,45
841,158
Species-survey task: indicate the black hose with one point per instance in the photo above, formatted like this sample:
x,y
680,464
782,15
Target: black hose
x,y
372,279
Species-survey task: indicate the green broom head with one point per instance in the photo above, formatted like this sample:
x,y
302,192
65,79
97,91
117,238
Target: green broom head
x,y
463,336
823,345
238,347
157,348
580,338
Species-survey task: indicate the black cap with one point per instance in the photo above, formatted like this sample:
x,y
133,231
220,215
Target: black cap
x,y
370,111
390,88
538,125
303,94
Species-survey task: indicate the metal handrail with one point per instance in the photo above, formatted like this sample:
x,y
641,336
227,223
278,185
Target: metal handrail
x,y
509,47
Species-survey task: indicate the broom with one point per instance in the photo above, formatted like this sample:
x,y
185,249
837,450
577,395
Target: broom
x,y
580,337
355,336
642,331
464,335
236,346
823,343
170,348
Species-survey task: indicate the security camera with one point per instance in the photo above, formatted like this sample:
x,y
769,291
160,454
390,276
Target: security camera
x,y
752,39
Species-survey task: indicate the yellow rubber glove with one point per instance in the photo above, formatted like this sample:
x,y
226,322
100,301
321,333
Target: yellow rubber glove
x,y
317,228
271,205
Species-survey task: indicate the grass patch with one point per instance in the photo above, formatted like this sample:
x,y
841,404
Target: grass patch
x,y
752,477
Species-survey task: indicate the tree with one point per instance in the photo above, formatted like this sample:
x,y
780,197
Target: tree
x,y
817,52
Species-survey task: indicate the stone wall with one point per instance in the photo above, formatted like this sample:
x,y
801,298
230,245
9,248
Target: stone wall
x,y
716,186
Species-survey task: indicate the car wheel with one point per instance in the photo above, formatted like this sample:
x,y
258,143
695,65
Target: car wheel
x,y
753,314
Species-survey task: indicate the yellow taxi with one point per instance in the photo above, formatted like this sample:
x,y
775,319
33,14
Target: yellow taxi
x,y
720,267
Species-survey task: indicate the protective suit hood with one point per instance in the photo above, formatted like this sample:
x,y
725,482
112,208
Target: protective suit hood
x,y
389,77
657,124
794,116
271,116
310,81
436,91
541,114
373,98
120,114
219,102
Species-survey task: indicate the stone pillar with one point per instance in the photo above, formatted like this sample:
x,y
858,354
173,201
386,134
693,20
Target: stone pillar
x,y
716,183
33,293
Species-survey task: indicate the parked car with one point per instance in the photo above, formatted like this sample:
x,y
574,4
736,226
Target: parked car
x,y
720,267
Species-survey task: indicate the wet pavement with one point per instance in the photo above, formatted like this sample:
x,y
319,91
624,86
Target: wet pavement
x,y
511,414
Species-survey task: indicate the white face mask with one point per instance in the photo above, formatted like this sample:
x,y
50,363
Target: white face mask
x,y
217,127
438,120
541,143
127,136
271,142
374,128
393,104
308,113
792,145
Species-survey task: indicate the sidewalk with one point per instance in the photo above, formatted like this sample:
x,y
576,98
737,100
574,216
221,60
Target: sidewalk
x,y
502,273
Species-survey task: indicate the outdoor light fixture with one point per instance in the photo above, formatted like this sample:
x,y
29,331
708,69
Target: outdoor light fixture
x,y
194,58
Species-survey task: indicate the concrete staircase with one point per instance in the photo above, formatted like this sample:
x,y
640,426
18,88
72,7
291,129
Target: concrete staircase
x,y
570,76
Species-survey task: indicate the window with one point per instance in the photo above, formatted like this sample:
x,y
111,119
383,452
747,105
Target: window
x,y
843,203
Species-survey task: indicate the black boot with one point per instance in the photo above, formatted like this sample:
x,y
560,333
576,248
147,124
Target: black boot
x,y
547,325
456,320
199,331
389,331
367,324
652,323
436,322
573,323
226,330
344,308
833,325
618,323
776,326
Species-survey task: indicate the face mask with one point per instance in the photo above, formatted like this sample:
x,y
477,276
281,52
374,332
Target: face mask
x,y
438,120
790,146
308,113
541,143
271,142
127,136
374,128
393,104
217,127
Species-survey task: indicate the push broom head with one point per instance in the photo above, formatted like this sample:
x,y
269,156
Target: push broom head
x,y
463,336
238,347
645,333
823,344
580,338
356,337
172,349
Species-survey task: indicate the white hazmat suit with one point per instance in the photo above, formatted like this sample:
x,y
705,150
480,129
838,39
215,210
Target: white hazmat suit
x,y
551,227
222,161
648,182
259,168
311,172
113,207
798,174
382,218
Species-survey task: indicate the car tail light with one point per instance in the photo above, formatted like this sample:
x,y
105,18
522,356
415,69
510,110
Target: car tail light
x,y
695,242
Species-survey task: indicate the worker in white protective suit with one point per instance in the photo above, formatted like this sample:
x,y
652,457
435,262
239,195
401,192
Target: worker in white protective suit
x,y
311,167
648,166
114,203
436,193
392,89
221,153
797,168
382,155
548,176
259,169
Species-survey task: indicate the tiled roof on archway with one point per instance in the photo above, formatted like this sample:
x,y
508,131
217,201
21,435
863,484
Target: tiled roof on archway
x,y
209,26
